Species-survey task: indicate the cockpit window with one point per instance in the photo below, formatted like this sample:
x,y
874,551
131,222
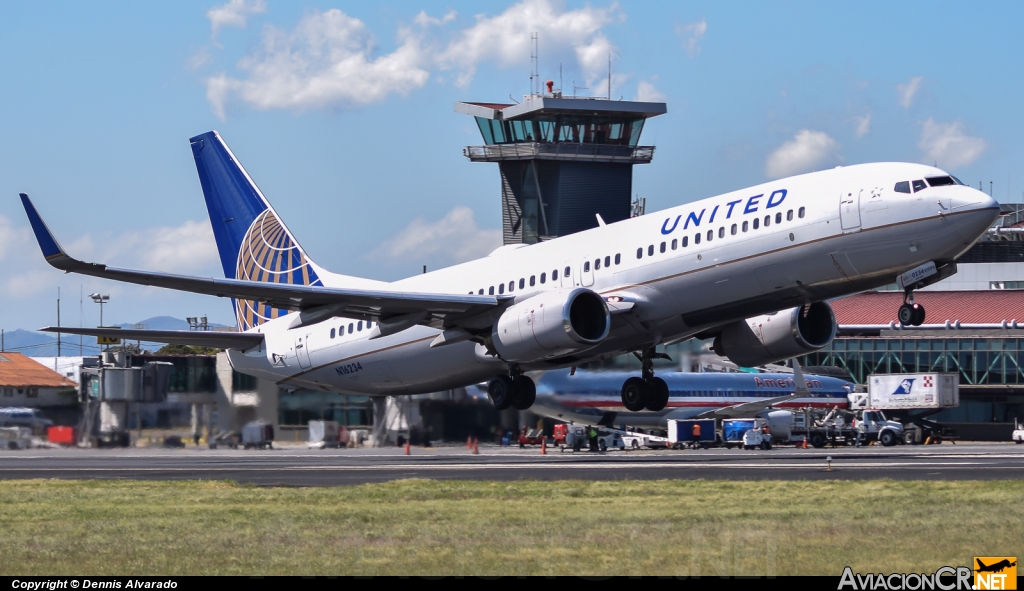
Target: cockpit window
x,y
958,181
918,185
902,187
940,181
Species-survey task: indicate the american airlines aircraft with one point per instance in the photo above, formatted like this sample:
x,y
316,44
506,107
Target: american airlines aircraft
x,y
594,398
752,269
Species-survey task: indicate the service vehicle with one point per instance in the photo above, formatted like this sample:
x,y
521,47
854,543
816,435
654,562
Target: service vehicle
x,y
910,399
681,433
1018,432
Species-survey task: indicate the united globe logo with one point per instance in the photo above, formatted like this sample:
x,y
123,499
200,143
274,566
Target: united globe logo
x,y
268,254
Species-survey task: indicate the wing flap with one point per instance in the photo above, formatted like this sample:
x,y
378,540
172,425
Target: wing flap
x,y
195,338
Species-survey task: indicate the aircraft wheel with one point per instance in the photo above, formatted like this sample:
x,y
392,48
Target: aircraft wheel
x,y
906,315
634,394
524,393
918,318
501,390
657,397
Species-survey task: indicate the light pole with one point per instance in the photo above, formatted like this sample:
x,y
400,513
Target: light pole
x,y
100,299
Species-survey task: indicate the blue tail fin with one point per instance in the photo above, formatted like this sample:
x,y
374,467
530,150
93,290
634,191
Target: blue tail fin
x,y
253,242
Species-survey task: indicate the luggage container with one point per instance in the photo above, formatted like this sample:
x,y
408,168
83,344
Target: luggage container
x,y
258,434
680,432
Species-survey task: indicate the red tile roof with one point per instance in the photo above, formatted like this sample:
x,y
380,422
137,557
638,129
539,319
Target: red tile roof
x,y
19,371
991,306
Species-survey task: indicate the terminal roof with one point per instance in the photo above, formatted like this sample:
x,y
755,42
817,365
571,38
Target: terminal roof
x,y
975,307
19,371
548,105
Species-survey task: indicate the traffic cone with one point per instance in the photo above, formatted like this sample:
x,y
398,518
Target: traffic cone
x,y
805,443
543,447
476,446
469,443
406,448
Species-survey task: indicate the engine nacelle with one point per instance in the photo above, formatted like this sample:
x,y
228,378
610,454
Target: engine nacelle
x,y
551,324
774,337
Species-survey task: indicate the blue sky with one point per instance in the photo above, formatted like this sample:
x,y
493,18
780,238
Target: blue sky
x,y
343,114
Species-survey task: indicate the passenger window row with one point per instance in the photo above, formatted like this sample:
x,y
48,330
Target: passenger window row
x,y
352,327
710,234
932,181
543,279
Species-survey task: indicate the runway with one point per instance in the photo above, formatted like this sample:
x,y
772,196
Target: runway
x,y
296,466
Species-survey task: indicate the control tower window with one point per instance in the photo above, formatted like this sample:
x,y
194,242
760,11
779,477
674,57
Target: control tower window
x,y
902,187
918,185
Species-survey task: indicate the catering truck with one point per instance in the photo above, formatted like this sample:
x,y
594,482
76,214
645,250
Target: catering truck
x,y
909,399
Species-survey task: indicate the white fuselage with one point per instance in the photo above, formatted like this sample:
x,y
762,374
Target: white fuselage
x,y
818,236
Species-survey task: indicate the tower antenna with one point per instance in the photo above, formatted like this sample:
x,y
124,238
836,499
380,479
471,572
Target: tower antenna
x,y
609,74
535,65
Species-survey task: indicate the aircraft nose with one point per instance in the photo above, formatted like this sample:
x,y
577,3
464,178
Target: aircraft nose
x,y
979,211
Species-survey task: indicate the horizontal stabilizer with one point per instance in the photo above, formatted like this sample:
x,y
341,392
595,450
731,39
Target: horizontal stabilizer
x,y
195,338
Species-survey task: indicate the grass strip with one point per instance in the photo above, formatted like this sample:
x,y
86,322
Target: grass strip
x,y
425,527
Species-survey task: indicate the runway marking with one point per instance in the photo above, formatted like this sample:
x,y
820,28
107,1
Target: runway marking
x,y
409,467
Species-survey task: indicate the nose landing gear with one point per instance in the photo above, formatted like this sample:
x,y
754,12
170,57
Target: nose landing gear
x,y
646,392
910,313
514,390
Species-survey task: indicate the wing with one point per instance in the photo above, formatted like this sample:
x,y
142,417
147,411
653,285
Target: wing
x,y
197,338
747,409
395,310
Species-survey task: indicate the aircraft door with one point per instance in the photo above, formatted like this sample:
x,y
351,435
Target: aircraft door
x,y
849,210
302,351
586,274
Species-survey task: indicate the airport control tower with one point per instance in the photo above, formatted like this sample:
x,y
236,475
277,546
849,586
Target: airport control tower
x,y
562,160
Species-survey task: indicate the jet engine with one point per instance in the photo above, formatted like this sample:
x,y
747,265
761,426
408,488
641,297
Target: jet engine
x,y
774,337
551,324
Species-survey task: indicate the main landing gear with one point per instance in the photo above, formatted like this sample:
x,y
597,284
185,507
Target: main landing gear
x,y
647,391
514,390
910,313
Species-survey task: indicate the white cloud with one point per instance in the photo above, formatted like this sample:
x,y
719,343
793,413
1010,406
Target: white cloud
x,y
692,34
907,91
863,125
505,38
807,151
948,145
189,247
425,20
647,93
455,238
12,238
326,62
235,13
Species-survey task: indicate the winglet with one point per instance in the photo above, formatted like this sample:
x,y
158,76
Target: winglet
x,y
47,243
798,379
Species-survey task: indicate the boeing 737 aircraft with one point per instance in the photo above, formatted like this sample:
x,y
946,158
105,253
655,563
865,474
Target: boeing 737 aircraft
x,y
752,269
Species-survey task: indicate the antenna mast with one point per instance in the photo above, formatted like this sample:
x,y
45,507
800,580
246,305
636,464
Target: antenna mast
x,y
535,65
